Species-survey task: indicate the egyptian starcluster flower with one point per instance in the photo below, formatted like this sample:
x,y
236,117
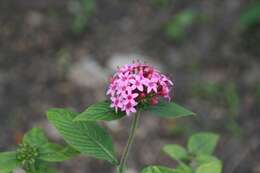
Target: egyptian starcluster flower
x,y
137,83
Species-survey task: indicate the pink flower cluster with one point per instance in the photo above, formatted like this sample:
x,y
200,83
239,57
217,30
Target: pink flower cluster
x,y
137,83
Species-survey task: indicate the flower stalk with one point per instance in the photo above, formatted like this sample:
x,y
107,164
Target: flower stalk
x,y
135,121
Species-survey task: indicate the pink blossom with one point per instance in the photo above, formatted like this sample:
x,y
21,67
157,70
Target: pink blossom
x,y
116,103
135,83
165,79
152,85
124,78
130,97
129,108
112,89
124,89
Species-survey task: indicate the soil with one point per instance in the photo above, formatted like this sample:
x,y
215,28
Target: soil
x,y
38,50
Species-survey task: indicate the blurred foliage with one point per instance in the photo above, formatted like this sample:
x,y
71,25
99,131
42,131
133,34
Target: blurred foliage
x,y
160,3
224,95
207,90
217,93
81,10
176,27
63,61
233,127
176,128
232,98
251,40
195,66
257,93
251,15
249,22
197,157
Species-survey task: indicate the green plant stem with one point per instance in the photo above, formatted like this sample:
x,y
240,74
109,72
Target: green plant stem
x,y
30,168
122,165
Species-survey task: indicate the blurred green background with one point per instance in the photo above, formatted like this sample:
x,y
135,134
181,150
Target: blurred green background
x,y
56,53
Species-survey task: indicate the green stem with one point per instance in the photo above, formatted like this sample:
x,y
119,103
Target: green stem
x,y
122,165
30,168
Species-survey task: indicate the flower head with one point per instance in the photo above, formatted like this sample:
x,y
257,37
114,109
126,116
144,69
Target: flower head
x,y
27,154
135,84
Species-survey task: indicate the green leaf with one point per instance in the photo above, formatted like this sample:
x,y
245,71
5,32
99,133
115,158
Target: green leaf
x,y
202,143
35,137
169,110
158,169
99,111
87,137
183,168
56,153
202,159
177,152
211,167
8,162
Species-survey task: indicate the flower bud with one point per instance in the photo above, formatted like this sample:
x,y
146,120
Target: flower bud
x,y
27,154
142,95
154,100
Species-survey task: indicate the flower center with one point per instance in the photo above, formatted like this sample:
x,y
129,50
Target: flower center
x,y
128,105
124,78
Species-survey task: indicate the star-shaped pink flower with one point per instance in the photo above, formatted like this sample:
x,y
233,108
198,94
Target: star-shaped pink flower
x,y
137,82
112,89
151,85
129,108
116,103
124,89
130,97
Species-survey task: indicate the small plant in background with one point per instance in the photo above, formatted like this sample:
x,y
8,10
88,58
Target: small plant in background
x,y
257,93
160,3
225,95
249,24
35,154
217,93
251,15
133,89
63,61
232,98
176,27
197,158
81,10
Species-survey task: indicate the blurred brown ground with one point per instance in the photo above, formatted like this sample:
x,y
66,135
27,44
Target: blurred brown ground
x,y
44,64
